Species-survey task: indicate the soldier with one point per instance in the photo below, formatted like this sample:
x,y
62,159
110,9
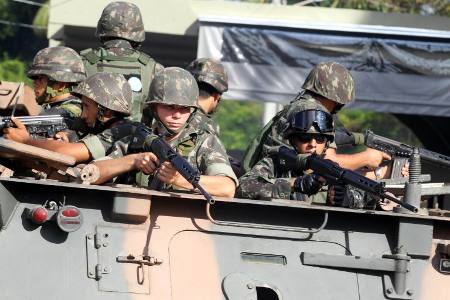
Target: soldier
x,y
173,97
330,86
268,180
55,72
106,100
309,131
212,80
121,32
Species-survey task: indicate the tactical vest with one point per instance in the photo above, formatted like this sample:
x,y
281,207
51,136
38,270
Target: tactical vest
x,y
137,64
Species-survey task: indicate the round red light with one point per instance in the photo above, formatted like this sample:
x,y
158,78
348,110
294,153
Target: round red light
x,y
70,212
39,215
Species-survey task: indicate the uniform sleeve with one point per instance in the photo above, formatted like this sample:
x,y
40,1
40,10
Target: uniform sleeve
x,y
107,143
260,182
212,159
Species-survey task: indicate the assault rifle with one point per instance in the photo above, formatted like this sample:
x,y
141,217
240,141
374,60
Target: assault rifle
x,y
333,173
38,126
400,152
146,141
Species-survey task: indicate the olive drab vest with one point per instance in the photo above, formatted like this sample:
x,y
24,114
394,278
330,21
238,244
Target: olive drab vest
x,y
137,68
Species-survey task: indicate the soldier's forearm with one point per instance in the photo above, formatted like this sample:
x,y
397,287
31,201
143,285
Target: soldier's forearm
x,y
111,168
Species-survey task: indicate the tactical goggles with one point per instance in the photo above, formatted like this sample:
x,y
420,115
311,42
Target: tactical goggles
x,y
307,137
322,121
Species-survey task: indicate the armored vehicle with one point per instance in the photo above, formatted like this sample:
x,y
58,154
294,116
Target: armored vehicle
x,y
76,241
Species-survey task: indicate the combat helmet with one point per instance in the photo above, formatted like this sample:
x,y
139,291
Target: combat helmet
x,y
209,71
332,81
309,121
60,63
109,90
173,86
121,20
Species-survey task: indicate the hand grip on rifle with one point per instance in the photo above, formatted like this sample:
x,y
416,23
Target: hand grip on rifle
x,y
333,173
164,152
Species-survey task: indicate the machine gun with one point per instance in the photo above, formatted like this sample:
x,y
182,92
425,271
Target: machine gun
x,y
38,126
145,140
333,173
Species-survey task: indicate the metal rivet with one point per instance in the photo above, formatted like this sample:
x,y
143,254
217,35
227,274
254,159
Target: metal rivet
x,y
89,237
389,290
250,286
91,273
410,292
105,244
105,269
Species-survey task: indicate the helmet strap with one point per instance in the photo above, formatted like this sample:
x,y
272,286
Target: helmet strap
x,y
50,91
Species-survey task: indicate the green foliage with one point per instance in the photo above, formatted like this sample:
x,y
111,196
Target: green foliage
x,y
239,122
13,70
41,19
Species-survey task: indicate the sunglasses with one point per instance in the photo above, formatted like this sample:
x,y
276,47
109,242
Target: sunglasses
x,y
307,137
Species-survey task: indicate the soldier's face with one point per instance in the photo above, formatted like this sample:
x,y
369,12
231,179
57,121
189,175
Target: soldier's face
x,y
173,116
310,143
40,85
90,109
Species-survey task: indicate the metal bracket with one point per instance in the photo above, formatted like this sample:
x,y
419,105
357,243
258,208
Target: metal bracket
x,y
398,264
140,260
95,269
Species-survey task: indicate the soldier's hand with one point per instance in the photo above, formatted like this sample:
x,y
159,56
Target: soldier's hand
x,y
146,162
405,170
61,136
19,134
308,184
168,174
374,158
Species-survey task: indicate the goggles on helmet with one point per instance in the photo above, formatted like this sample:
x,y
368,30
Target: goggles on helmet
x,y
320,120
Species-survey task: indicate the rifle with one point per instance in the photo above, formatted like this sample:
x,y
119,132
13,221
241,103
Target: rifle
x,y
333,173
400,152
147,141
38,126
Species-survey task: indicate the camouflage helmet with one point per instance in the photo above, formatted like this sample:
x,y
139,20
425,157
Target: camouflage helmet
x,y
109,90
209,71
309,121
174,86
121,20
61,64
332,81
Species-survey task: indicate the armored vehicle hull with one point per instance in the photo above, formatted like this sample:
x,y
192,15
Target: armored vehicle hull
x,y
134,243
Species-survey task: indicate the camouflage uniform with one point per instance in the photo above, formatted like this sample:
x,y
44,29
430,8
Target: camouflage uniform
x,y
113,92
121,29
59,64
329,80
203,150
213,73
269,179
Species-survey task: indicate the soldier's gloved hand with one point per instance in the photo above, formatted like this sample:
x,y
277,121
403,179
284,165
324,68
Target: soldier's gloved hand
x,y
336,195
308,184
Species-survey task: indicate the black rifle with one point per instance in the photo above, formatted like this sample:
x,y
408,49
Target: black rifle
x,y
147,141
333,173
38,126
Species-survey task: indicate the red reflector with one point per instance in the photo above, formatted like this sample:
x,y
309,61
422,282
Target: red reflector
x,y
39,215
70,212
